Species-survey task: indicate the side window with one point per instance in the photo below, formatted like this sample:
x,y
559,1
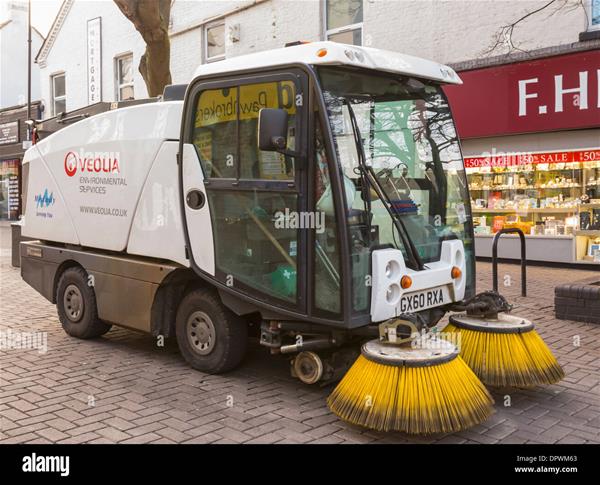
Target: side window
x,y
252,212
215,132
254,246
227,115
327,256
256,164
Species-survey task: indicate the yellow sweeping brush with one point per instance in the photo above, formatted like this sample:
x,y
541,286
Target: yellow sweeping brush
x,y
505,351
420,389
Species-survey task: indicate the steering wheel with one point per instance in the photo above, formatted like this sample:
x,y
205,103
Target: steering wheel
x,y
388,171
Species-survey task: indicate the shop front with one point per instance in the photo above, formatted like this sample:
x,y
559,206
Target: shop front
x,y
531,141
12,134
9,189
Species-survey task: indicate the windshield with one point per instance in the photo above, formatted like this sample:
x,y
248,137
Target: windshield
x,y
417,195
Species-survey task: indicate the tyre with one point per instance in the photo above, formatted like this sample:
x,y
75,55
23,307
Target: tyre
x,y
211,337
76,305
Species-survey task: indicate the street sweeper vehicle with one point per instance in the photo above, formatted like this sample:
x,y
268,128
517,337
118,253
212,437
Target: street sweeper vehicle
x,y
314,196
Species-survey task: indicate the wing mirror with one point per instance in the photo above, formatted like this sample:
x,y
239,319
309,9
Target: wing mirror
x,y
272,129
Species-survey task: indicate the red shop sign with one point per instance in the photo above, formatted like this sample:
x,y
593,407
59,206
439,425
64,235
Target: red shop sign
x,y
512,159
555,93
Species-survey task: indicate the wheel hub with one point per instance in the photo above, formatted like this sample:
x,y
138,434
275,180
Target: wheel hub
x,y
308,367
201,332
73,303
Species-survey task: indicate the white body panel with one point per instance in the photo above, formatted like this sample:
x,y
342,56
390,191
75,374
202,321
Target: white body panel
x,y
46,208
198,220
99,167
337,54
389,267
157,229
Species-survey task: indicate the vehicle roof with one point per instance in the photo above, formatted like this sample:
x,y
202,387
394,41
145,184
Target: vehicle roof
x,y
336,55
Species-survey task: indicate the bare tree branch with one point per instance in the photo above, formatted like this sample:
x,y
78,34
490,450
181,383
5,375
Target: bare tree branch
x,y
504,36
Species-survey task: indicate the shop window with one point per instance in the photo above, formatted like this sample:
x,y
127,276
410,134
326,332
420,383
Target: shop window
x,y
59,94
344,20
552,195
124,77
214,42
9,189
593,14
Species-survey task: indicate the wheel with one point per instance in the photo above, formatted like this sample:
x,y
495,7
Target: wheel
x,y
211,337
76,305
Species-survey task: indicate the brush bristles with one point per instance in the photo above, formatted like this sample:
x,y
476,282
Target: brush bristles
x,y
418,400
508,359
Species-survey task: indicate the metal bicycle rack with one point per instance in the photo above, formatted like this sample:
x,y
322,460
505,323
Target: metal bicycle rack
x,y
511,230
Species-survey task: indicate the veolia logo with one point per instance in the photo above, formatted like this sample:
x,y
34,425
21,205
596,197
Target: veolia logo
x,y
71,164
91,162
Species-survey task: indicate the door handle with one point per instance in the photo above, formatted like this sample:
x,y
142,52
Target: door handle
x,y
195,199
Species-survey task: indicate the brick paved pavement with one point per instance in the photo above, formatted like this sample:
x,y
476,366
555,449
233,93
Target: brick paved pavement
x,y
122,388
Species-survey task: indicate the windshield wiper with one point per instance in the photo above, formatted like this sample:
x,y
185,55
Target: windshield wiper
x,y
370,180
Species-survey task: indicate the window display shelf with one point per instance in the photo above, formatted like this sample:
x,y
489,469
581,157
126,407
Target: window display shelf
x,y
493,189
557,207
528,169
528,236
524,187
555,204
545,210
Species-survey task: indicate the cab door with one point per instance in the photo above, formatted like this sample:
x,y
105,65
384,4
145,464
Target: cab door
x,y
242,205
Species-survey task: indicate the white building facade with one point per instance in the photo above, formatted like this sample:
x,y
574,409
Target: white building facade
x,y
448,31
88,57
13,55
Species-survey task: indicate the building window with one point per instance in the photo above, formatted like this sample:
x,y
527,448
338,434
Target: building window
x,y
214,42
344,21
59,94
594,14
124,77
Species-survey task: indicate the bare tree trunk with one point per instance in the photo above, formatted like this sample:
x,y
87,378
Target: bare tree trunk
x,y
151,19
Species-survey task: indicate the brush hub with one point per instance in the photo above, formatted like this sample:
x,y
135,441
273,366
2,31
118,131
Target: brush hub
x,y
505,323
421,352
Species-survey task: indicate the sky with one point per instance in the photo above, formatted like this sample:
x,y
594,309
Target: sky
x,y
43,13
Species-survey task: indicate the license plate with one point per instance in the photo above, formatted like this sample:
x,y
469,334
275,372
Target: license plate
x,y
421,300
